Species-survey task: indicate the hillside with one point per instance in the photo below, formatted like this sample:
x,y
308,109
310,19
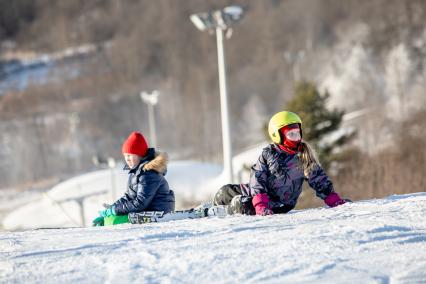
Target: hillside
x,y
371,241
71,74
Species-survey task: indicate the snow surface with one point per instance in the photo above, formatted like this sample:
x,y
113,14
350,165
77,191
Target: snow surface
x,y
373,241
11,199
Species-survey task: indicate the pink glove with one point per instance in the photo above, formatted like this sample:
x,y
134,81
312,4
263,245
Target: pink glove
x,y
333,200
260,203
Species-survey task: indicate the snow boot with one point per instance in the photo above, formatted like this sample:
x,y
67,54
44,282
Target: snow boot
x,y
241,205
115,220
208,209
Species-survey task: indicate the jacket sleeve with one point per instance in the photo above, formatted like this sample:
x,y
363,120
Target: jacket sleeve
x,y
122,199
320,182
147,187
259,175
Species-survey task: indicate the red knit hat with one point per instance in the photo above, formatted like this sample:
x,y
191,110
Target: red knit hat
x,y
135,144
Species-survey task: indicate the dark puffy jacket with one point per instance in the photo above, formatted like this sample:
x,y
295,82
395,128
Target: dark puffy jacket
x,y
280,175
147,188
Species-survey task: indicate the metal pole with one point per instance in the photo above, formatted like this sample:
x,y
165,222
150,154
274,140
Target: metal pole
x,y
112,184
226,137
151,100
152,124
80,203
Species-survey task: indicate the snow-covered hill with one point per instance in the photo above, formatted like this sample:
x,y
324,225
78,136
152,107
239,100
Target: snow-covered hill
x,y
20,72
373,241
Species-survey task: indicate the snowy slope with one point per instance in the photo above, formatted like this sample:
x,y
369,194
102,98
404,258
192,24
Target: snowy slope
x,y
374,241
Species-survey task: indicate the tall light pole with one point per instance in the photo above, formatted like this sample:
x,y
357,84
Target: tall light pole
x,y
220,21
151,100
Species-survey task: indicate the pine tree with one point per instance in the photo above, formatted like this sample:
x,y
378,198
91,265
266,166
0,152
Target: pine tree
x,y
318,121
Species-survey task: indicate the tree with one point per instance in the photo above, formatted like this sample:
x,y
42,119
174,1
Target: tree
x,y
15,16
318,121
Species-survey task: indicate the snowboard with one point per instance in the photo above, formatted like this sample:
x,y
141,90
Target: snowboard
x,y
204,210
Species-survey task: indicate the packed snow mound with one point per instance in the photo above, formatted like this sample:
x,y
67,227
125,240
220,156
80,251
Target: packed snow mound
x,y
76,201
373,241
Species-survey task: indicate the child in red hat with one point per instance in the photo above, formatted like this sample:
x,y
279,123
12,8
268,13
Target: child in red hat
x,y
147,188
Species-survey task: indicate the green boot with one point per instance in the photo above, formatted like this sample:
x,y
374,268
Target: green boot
x,y
116,219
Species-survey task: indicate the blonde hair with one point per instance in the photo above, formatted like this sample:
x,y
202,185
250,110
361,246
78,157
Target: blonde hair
x,y
308,157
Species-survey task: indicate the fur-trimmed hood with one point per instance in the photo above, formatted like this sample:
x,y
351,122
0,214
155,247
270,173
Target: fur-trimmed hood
x,y
154,160
158,164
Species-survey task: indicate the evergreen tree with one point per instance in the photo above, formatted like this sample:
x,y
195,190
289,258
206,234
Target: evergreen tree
x,y
318,121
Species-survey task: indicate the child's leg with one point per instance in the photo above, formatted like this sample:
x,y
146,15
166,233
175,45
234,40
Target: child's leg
x,y
226,193
231,194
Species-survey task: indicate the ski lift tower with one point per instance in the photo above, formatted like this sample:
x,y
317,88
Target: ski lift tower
x,y
220,21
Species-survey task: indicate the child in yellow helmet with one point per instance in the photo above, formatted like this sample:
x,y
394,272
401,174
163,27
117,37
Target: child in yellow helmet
x,y
277,177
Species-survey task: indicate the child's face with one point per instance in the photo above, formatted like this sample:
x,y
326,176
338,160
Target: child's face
x,y
132,160
293,134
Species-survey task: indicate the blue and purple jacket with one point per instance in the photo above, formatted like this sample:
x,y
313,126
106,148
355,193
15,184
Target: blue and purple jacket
x,y
280,176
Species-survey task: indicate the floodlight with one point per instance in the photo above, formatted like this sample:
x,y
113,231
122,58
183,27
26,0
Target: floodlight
x,y
202,21
150,98
235,12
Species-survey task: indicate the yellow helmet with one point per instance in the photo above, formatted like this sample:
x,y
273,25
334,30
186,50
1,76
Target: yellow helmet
x,y
278,121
